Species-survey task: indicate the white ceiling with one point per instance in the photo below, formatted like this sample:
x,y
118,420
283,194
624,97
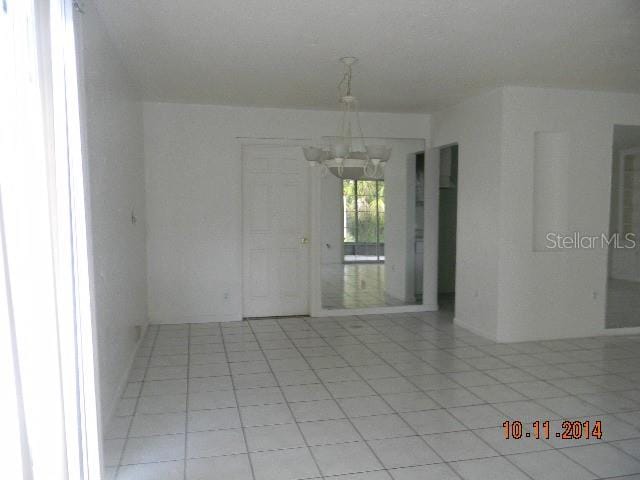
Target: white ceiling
x,y
415,55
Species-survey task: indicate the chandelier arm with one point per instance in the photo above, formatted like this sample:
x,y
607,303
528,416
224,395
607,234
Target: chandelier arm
x,y
366,171
340,86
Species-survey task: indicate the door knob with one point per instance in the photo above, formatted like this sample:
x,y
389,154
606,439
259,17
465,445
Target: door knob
x,y
304,240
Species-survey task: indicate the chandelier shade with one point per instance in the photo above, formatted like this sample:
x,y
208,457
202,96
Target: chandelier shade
x,y
347,155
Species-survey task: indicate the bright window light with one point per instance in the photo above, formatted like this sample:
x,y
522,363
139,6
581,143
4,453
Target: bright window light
x,y
48,409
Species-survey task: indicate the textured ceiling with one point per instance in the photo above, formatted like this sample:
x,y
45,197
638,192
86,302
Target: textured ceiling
x,y
415,55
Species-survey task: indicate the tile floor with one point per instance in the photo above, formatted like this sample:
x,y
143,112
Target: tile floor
x,y
393,397
355,285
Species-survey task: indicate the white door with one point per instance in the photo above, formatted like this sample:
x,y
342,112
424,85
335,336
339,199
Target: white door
x,y
276,198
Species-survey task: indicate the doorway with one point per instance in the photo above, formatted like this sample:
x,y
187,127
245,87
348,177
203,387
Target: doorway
x,y
623,283
275,212
447,226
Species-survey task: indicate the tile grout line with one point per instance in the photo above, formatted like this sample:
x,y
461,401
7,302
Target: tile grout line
x,y
473,433
235,396
321,382
377,394
385,361
135,406
286,401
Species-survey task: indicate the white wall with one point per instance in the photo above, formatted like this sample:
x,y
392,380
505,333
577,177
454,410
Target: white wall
x,y
116,188
505,289
475,125
332,221
193,181
556,294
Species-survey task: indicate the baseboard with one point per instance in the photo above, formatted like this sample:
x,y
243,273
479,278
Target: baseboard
x,y
181,319
473,329
346,312
122,384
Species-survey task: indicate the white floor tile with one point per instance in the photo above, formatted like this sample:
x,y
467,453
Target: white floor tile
x,y
356,388
427,472
211,400
382,426
329,432
118,427
273,437
258,415
632,447
164,387
153,449
293,464
112,450
220,419
152,471
459,446
316,410
433,421
495,468
403,452
212,444
157,424
550,465
505,446
305,393
345,458
162,404
259,396
410,402
478,416
603,460
364,406
393,376
236,467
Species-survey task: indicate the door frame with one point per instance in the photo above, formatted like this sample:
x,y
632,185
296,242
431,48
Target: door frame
x,y
619,225
275,142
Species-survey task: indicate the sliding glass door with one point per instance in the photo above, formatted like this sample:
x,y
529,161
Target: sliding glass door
x,y
363,205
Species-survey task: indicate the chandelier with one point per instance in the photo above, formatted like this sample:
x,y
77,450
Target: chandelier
x,y
346,155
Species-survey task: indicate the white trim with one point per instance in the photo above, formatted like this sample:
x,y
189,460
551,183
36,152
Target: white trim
x,y
621,331
182,319
315,252
346,312
124,379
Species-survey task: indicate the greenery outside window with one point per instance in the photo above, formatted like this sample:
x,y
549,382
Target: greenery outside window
x,y
364,215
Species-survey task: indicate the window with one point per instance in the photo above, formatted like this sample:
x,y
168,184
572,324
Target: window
x,y
364,214
48,406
